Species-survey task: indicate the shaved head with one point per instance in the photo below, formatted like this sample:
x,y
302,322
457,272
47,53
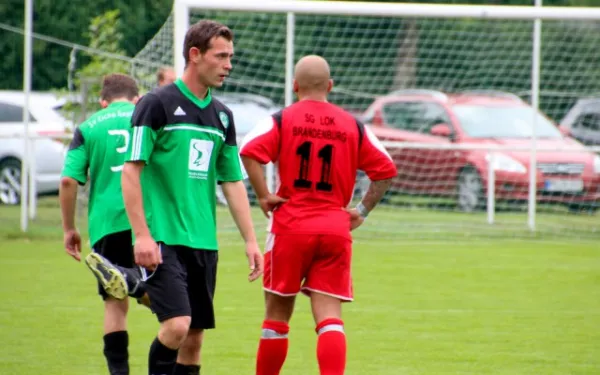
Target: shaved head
x,y
312,75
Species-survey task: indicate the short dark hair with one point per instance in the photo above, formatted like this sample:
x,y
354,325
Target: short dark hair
x,y
117,85
201,33
160,74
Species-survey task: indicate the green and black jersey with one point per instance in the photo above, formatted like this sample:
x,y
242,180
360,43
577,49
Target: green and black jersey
x,y
100,145
188,145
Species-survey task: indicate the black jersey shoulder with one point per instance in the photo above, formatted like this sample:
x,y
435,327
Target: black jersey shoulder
x,y
179,109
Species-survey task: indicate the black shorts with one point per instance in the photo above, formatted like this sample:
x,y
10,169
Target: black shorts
x,y
184,285
118,249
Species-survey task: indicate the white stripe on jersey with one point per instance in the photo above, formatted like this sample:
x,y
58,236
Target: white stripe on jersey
x,y
193,128
263,126
138,133
375,142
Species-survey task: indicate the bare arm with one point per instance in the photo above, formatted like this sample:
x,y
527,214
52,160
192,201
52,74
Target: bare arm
x,y
256,175
239,206
376,191
132,196
68,199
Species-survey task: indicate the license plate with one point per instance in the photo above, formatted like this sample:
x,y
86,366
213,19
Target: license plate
x,y
567,186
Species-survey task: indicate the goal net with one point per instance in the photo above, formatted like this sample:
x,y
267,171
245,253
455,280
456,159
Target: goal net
x,y
452,99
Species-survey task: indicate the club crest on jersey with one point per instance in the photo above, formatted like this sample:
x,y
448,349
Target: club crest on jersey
x,y
224,119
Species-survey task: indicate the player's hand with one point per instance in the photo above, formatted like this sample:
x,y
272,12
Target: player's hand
x,y
147,253
269,203
355,219
72,241
255,261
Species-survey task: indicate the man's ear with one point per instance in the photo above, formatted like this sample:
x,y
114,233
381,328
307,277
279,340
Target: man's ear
x,y
195,54
296,87
329,85
104,103
135,99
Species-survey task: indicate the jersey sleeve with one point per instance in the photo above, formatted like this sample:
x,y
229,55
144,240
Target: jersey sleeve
x,y
77,160
229,166
262,143
373,158
148,117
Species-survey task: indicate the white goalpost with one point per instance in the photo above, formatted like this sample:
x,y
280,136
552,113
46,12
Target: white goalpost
x,y
431,53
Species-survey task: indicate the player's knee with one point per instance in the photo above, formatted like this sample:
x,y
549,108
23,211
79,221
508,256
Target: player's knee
x,y
279,308
175,330
116,307
273,329
329,325
325,307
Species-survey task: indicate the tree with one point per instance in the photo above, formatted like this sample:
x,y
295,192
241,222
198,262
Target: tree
x,y
104,35
69,20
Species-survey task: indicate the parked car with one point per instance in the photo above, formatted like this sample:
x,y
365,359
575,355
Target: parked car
x,y
436,119
582,122
247,110
49,153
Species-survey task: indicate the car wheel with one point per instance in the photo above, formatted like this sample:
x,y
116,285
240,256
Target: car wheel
x,y
470,190
10,181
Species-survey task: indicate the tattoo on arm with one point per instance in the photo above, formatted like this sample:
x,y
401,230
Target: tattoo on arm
x,y
376,191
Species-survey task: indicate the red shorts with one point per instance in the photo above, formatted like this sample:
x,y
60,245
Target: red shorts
x,y
308,263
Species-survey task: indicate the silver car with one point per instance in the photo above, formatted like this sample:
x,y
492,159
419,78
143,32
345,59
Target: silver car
x,y
582,122
49,153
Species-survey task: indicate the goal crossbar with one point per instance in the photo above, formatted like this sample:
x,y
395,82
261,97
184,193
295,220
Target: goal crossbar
x,y
397,9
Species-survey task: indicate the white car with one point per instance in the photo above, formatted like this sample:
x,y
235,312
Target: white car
x,y
49,153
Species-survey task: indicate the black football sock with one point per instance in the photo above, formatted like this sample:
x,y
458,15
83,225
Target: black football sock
x,y
161,359
186,369
115,351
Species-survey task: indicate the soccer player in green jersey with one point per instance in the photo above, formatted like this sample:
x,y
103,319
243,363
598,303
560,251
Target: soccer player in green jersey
x,y
99,146
183,143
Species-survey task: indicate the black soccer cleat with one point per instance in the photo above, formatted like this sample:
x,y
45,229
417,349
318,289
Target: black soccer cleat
x,y
109,276
136,288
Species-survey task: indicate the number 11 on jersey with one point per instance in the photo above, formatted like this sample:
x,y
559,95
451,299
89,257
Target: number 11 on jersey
x,y
305,153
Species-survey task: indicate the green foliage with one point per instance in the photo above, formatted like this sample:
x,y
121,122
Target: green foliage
x,y
68,20
103,34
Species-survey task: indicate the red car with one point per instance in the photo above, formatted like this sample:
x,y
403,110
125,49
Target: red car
x,y
481,118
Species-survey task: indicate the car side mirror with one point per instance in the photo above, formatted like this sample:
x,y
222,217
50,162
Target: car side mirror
x,y
441,130
565,131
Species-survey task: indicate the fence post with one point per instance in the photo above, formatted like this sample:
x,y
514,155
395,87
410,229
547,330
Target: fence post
x,y
25,175
491,188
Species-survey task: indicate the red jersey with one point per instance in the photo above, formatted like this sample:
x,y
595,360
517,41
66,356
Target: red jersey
x,y
317,148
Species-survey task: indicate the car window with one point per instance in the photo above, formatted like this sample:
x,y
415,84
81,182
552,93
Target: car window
x,y
588,121
480,121
417,117
12,113
246,116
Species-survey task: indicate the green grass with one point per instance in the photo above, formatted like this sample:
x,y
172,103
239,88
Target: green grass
x,y
476,304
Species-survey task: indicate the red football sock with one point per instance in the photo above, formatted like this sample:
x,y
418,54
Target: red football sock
x,y
273,348
331,347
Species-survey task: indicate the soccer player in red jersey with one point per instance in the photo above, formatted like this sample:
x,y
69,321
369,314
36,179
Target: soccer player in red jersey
x,y
318,148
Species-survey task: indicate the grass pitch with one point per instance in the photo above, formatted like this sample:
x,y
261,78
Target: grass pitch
x,y
454,305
